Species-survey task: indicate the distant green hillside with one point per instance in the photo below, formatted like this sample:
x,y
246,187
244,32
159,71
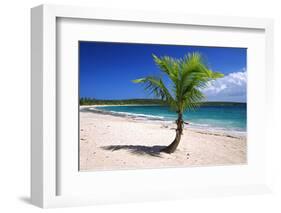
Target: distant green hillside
x,y
217,103
91,101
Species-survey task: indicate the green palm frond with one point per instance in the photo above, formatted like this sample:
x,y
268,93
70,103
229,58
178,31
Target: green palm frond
x,y
189,75
169,66
192,99
156,86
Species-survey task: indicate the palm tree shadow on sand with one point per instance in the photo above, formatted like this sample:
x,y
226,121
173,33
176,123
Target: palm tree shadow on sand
x,y
137,149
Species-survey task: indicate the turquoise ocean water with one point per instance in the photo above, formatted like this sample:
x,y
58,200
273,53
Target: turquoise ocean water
x,y
232,118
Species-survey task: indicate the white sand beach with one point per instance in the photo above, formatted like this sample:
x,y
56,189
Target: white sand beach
x,y
110,142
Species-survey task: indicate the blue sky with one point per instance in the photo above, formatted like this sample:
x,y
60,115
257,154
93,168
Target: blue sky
x,y
106,69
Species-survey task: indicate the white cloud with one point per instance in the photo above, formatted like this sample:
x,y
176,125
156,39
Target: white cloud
x,y
231,87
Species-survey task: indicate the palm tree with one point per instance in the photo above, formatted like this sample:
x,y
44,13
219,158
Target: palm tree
x,y
188,76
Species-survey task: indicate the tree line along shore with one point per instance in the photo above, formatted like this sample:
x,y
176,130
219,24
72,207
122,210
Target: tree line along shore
x,y
93,101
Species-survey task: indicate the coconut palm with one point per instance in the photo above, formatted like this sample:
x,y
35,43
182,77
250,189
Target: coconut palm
x,y
187,77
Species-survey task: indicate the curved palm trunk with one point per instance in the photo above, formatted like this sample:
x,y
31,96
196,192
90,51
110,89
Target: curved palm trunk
x,y
173,146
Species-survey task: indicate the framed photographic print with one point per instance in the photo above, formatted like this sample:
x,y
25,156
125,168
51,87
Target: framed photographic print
x,y
149,106
123,126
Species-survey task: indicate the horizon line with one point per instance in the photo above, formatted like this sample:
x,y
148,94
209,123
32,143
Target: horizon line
x,y
153,100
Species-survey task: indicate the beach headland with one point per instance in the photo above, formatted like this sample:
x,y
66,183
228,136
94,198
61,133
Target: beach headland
x,y
115,141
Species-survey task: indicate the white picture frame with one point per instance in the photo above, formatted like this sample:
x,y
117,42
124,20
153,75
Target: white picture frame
x,y
44,149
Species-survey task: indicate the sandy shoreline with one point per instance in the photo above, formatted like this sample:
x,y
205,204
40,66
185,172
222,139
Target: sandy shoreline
x,y
110,142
